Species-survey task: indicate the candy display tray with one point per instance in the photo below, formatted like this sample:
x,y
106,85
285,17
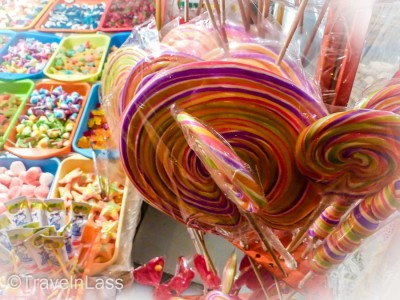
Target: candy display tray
x,y
21,89
87,166
8,33
43,20
42,37
118,39
47,165
34,21
35,153
104,19
98,40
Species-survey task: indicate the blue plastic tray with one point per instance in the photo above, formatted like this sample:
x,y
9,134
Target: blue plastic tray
x,y
118,39
50,165
42,37
8,33
92,102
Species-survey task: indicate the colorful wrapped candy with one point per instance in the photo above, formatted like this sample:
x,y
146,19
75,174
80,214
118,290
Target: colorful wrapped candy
x,y
20,15
50,120
75,17
125,14
28,56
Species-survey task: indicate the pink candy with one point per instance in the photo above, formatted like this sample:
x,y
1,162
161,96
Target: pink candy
x,y
17,181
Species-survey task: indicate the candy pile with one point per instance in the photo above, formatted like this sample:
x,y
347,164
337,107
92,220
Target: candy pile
x,y
18,181
3,40
82,59
83,187
28,56
76,16
50,119
98,131
126,13
21,15
9,104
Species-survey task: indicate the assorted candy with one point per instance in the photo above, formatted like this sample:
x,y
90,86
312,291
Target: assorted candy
x,y
50,119
82,59
3,40
9,104
76,16
28,56
98,132
126,13
21,15
19,181
79,186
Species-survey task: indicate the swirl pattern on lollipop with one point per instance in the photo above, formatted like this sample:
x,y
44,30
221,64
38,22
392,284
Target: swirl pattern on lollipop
x,y
230,172
353,153
115,73
148,66
363,221
258,113
387,99
264,57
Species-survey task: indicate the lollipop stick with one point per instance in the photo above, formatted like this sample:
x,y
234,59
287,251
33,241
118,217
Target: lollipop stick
x,y
292,31
306,278
315,29
217,9
199,8
310,246
281,12
303,231
278,288
223,13
186,14
265,242
215,26
204,250
158,14
267,5
259,278
245,20
60,262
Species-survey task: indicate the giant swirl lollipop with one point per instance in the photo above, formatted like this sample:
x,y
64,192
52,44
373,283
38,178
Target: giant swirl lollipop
x,y
258,113
350,154
386,99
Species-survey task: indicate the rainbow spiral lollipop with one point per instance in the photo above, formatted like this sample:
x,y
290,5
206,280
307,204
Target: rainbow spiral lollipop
x,y
386,99
258,113
354,153
350,154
